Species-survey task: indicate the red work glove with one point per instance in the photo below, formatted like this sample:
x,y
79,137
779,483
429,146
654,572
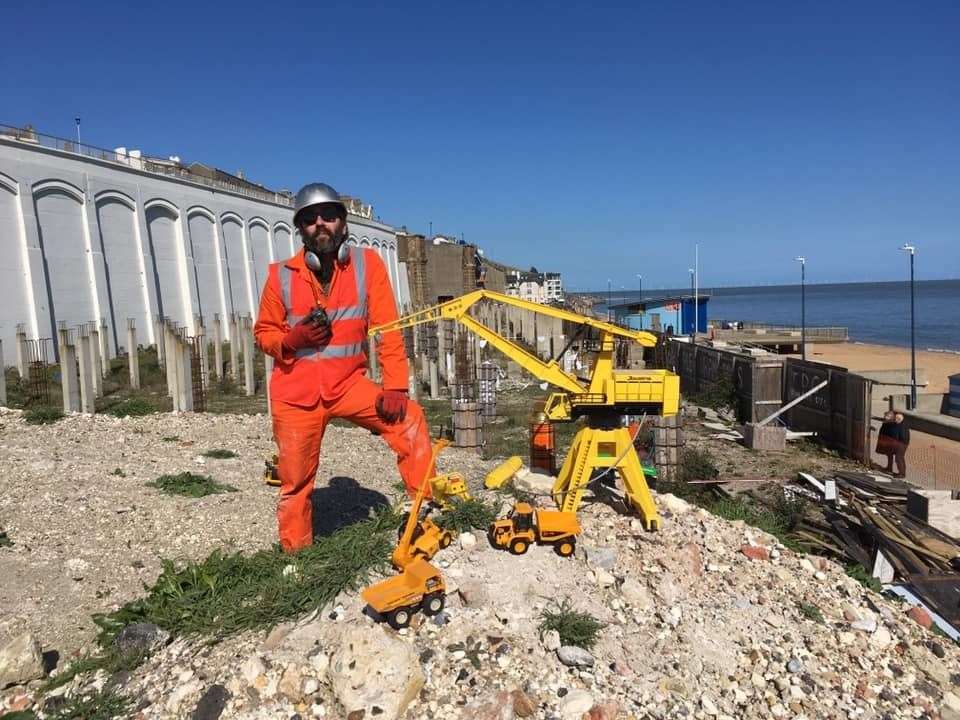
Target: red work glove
x,y
306,334
392,406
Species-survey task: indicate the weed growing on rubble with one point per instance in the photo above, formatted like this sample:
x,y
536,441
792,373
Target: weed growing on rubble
x,y
811,612
468,515
134,407
697,464
5,540
219,454
104,705
190,485
42,415
859,573
575,628
226,594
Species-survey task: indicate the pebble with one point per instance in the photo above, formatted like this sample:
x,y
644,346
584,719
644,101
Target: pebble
x,y
573,656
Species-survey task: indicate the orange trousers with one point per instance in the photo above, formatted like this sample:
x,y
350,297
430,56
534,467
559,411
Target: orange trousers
x,y
298,432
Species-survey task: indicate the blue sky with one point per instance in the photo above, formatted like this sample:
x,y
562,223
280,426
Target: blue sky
x,y
601,141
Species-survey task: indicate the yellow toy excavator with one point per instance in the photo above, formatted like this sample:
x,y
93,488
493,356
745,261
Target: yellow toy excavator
x,y
603,398
419,586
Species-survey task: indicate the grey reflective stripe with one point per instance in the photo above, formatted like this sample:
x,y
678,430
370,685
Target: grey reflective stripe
x,y
360,277
285,286
331,351
350,312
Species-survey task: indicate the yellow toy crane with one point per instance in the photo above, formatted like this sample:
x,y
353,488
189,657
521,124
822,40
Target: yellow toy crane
x,y
602,399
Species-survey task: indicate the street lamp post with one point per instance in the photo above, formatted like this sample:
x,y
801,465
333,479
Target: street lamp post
x,y
640,278
693,291
803,306
913,345
609,301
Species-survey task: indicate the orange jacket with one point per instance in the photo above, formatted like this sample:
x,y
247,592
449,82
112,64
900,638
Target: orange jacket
x,y
360,295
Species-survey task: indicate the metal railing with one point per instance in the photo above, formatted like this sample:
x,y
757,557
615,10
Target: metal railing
x,y
28,136
752,327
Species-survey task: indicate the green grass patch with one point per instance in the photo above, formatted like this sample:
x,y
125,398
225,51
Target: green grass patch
x,y
811,612
170,438
42,415
188,484
107,660
104,705
859,573
575,628
219,454
118,472
468,515
134,407
5,540
697,464
226,594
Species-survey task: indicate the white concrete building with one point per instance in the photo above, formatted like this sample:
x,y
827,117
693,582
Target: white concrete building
x,y
102,235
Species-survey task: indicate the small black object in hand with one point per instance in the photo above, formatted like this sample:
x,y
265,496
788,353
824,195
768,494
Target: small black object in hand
x,y
318,316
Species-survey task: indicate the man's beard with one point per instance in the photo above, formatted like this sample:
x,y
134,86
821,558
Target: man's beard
x,y
324,244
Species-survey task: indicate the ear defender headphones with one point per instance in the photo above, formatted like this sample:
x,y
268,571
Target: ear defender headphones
x,y
312,260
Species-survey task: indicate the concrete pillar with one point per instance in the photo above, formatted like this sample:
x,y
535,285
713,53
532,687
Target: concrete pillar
x,y
104,349
3,379
160,333
217,347
425,367
412,386
234,348
23,353
441,351
85,351
204,352
170,353
96,366
247,334
185,373
434,381
68,371
133,354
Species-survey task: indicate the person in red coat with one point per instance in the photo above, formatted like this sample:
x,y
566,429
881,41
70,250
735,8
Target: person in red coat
x,y
314,313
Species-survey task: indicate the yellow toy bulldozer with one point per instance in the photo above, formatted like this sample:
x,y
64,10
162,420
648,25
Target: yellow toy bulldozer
x,y
526,525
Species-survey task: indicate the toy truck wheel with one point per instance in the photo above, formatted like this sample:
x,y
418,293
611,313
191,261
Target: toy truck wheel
x,y
565,548
399,618
445,540
433,603
417,531
519,546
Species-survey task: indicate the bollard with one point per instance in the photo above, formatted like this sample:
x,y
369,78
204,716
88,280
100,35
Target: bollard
x,y
95,365
3,379
133,354
87,403
23,355
217,348
248,379
234,349
160,335
434,381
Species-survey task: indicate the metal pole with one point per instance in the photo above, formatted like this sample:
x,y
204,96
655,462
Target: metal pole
x,y
803,311
913,344
609,300
696,291
78,133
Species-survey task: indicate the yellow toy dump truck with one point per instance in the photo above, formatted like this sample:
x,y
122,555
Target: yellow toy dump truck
x,y
419,587
526,525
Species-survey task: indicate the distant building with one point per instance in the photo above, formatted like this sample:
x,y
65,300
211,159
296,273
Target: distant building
x,y
662,313
535,286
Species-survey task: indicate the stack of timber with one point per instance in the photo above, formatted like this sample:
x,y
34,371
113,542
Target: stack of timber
x,y
868,524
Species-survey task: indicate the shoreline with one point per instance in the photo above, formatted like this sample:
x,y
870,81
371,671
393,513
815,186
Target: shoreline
x,y
933,365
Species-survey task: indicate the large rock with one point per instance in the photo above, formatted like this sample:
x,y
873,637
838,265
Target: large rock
x,y
533,482
140,640
374,672
636,593
576,704
21,661
574,656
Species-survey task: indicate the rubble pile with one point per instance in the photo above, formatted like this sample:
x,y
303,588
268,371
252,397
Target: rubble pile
x,y
705,619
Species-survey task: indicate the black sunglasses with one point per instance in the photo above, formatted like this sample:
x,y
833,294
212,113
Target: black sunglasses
x,y
327,213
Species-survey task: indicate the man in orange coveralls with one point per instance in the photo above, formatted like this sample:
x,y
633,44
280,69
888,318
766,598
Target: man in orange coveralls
x,y
320,370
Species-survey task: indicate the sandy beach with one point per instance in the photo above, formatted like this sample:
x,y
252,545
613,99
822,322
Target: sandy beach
x,y
936,367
